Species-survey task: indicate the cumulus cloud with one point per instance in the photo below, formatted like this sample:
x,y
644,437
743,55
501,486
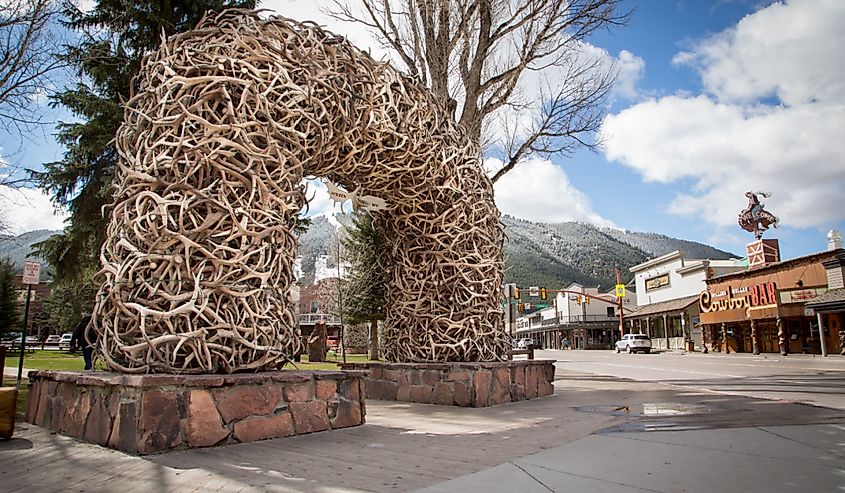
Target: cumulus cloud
x,y
787,50
770,119
28,209
630,70
538,190
536,87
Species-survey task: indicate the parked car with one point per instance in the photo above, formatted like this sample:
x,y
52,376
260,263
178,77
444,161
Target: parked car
x,y
11,339
634,343
53,339
64,342
524,343
332,343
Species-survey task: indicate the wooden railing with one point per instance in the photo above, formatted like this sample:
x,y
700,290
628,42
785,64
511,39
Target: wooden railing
x,y
312,318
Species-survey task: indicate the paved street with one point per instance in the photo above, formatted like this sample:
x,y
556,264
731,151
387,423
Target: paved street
x,y
611,426
803,378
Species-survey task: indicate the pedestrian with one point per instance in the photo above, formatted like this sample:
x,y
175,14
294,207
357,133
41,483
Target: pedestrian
x,y
80,339
565,343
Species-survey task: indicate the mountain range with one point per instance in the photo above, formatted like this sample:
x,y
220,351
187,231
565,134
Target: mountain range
x,y
553,255
17,248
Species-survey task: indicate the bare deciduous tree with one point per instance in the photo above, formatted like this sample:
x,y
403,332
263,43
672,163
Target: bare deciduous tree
x,y
477,51
27,57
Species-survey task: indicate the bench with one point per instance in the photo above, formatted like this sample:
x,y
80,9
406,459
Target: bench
x,y
529,352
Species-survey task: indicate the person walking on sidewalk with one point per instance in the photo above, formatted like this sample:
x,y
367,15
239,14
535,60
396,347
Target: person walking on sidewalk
x,y
80,339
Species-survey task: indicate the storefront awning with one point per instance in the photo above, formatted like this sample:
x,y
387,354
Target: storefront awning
x,y
671,306
833,300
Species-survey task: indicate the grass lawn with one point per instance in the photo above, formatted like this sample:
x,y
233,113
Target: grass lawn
x,y
64,360
47,360
331,363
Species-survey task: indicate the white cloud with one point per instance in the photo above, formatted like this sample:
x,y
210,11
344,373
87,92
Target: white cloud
x,y
630,69
302,11
735,139
538,190
28,209
787,50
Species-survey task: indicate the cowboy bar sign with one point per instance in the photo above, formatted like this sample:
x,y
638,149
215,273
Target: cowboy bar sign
x,y
758,296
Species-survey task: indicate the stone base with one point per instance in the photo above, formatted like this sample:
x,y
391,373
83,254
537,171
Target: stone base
x,y
144,414
458,384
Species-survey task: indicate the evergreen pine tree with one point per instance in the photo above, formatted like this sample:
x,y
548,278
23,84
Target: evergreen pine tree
x,y
114,37
366,281
10,308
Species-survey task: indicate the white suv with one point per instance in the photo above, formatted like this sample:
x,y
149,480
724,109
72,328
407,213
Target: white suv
x,y
524,343
634,343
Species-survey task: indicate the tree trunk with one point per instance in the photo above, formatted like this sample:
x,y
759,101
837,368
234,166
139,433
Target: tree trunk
x,y
374,352
317,343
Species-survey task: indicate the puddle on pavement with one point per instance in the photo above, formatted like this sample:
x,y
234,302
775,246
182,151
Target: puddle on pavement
x,y
651,409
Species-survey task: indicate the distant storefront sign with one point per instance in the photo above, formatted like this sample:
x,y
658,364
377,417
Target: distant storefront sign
x,y
657,282
747,297
801,295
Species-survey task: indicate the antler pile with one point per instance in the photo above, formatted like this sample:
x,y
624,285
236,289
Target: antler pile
x,y
227,120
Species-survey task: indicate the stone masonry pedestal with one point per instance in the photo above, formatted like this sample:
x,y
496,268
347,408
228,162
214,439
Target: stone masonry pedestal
x,y
458,384
144,414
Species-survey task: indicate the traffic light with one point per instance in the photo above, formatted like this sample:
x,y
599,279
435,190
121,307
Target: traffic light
x,y
543,295
519,307
578,300
516,293
586,300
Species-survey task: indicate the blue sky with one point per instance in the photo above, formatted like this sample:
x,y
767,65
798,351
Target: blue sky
x,y
714,99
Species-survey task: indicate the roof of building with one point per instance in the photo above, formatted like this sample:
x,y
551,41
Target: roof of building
x,y
656,261
793,262
665,306
832,296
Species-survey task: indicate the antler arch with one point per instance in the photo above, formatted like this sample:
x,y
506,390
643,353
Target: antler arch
x,y
227,120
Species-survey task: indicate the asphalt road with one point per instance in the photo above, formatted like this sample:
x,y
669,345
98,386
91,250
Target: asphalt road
x,y
796,378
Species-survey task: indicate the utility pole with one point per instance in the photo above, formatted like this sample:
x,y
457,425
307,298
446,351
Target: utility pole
x,y
619,298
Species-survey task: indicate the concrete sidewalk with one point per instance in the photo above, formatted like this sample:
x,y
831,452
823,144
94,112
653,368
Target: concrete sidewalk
x,y
593,433
772,459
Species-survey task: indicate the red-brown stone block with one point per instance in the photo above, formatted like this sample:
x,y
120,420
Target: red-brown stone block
x,y
391,375
531,382
249,400
204,427
460,395
32,401
458,376
346,414
309,417
431,377
349,390
299,392
98,424
262,428
157,426
443,394
326,389
421,393
403,393
481,387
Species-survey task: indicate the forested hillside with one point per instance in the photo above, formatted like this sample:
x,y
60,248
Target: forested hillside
x,y
553,255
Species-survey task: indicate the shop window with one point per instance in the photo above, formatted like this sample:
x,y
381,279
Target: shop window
x,y
611,312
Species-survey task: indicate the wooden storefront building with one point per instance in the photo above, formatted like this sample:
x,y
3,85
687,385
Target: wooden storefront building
x,y
765,309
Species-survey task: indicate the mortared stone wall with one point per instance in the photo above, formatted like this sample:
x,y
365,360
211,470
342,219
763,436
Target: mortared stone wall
x,y
144,414
458,384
